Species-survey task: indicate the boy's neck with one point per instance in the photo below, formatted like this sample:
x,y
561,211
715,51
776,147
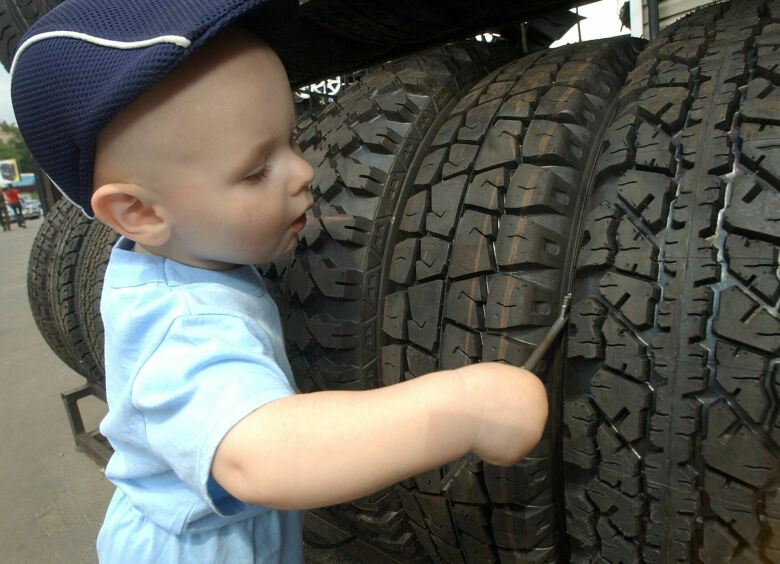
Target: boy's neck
x,y
139,248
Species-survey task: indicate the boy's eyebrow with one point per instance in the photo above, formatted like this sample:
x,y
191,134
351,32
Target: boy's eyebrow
x,y
253,155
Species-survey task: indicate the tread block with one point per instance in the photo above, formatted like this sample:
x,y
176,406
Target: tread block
x,y
523,242
459,160
617,146
666,106
754,263
348,228
520,106
581,420
485,189
648,195
523,528
437,515
532,472
430,168
551,143
393,364
514,302
467,487
336,282
405,256
434,254
464,302
760,149
445,202
654,150
477,121
754,210
505,349
361,178
335,333
419,362
413,219
624,352
735,504
734,450
599,245
622,399
742,374
459,347
472,249
637,254
565,104
634,298
534,189
585,339
424,307
396,313
501,146
742,320
474,521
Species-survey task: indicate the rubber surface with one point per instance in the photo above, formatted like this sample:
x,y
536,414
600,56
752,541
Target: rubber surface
x,y
64,291
671,390
40,295
92,262
479,272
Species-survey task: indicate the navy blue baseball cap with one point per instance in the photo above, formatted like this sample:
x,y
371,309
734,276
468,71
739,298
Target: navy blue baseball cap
x,y
79,65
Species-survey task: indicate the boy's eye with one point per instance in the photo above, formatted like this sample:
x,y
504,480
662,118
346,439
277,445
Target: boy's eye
x,y
257,176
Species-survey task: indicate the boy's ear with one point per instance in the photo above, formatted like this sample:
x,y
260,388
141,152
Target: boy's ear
x,y
125,208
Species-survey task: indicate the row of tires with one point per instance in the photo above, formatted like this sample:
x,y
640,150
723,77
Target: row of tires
x,y
460,195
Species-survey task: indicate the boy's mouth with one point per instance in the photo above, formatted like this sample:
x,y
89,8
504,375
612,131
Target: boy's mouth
x,y
299,223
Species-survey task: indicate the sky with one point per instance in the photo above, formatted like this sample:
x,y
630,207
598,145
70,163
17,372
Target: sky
x,y
602,21
6,110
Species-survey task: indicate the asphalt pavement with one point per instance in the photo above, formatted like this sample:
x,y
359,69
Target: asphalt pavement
x,y
53,496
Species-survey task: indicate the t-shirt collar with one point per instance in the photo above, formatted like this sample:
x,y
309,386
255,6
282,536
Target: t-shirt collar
x,y
140,268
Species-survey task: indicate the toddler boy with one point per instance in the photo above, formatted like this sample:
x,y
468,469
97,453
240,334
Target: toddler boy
x,y
187,152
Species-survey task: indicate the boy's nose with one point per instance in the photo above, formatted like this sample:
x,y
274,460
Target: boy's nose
x,y
304,174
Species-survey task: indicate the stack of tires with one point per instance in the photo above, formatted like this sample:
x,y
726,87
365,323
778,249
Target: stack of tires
x,y
460,196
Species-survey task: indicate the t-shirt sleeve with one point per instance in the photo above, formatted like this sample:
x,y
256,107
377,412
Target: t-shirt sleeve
x,y
208,373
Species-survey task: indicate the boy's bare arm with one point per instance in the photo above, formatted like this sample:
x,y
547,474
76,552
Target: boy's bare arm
x,y
322,448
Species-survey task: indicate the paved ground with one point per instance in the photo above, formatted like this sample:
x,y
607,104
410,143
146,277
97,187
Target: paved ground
x,y
53,496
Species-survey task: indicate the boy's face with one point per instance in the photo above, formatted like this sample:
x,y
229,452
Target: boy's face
x,y
212,144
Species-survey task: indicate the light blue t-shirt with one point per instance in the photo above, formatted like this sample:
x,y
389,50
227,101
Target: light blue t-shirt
x,y
189,353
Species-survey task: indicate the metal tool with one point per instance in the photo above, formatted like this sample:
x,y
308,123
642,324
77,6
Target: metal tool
x,y
544,345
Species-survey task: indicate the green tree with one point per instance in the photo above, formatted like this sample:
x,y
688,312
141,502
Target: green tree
x,y
12,146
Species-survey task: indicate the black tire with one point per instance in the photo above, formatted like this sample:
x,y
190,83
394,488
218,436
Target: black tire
x,y
671,391
364,146
15,18
478,273
92,262
39,292
64,290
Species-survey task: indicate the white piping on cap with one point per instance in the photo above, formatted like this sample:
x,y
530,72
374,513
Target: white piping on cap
x,y
71,200
173,39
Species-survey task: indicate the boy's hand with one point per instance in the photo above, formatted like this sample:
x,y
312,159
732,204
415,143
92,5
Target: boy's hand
x,y
511,405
